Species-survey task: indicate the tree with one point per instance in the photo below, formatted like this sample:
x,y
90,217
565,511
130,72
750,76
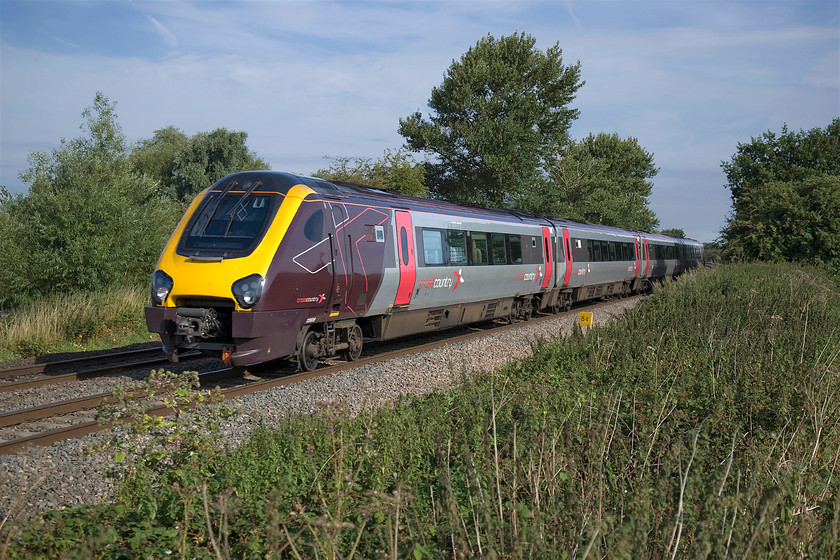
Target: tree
x,y
789,157
601,179
394,172
786,197
155,157
673,232
499,114
88,220
208,157
788,221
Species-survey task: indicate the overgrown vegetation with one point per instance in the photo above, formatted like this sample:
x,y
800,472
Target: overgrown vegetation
x,y
82,321
705,424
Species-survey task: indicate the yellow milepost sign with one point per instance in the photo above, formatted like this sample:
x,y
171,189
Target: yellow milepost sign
x,y
585,319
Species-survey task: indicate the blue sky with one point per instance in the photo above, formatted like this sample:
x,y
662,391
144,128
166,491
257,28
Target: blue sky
x,y
689,79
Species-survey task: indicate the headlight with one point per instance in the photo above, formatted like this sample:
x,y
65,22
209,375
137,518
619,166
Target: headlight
x,y
248,290
161,286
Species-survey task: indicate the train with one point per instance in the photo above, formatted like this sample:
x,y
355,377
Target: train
x,y
267,265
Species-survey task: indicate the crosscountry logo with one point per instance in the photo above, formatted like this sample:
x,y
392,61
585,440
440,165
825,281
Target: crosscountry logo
x,y
459,280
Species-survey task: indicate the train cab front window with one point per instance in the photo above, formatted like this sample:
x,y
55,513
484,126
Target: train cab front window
x,y
230,221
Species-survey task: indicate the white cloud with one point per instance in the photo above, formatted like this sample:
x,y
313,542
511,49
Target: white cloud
x,y
168,37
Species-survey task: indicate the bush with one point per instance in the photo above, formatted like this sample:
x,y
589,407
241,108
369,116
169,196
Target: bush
x,y
88,221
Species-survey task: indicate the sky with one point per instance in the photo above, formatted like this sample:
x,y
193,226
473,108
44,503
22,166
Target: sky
x,y
310,80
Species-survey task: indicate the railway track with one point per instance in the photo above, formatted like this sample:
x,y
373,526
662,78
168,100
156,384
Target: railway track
x,y
82,368
280,377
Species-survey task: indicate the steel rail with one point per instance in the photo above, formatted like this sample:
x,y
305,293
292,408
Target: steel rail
x,y
53,436
75,362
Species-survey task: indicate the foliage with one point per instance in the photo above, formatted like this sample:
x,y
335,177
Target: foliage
x,y
788,221
499,114
673,232
712,251
84,207
73,322
395,172
705,424
786,196
162,445
602,179
155,157
208,157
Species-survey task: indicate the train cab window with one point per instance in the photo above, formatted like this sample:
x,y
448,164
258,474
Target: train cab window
x,y
478,248
515,244
497,246
432,247
457,247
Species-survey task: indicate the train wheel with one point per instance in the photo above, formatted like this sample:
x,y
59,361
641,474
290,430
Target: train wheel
x,y
309,352
354,343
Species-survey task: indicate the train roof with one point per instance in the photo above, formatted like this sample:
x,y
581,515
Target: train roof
x,y
282,182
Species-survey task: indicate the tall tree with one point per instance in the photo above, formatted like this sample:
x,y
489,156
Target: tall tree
x,y
88,220
786,197
395,171
155,156
601,179
208,157
499,114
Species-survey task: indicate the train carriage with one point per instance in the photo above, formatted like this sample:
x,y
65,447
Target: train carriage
x,y
268,265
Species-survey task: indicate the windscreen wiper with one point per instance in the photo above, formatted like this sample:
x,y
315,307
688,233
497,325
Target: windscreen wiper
x,y
212,214
234,212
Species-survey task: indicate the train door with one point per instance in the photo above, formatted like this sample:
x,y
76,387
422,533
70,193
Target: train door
x,y
341,257
405,254
647,258
567,249
549,260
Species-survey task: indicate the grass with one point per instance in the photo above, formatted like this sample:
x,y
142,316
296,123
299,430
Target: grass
x,y
706,424
76,322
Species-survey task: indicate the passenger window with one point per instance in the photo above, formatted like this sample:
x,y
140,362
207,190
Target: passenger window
x,y
613,256
497,242
596,251
404,243
432,247
515,243
478,248
457,247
